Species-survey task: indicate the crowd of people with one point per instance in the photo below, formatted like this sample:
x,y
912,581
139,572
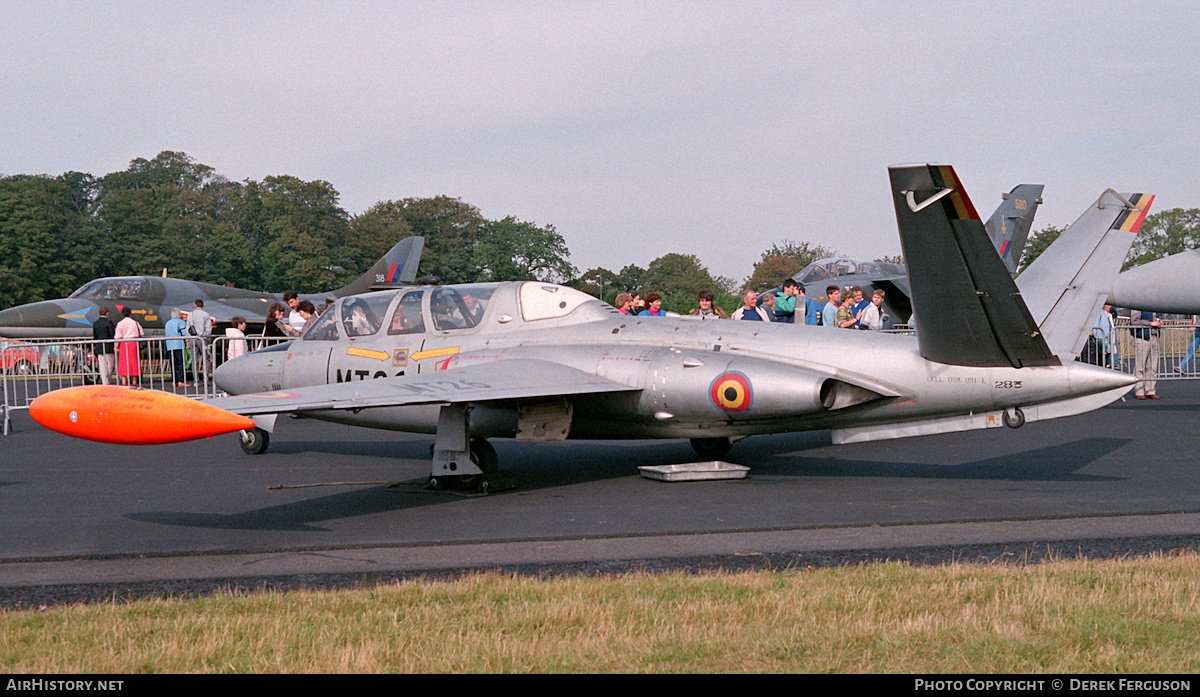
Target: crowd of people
x,y
116,349
782,306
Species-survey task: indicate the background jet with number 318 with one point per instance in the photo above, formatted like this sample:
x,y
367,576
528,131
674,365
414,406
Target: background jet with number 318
x,y
150,299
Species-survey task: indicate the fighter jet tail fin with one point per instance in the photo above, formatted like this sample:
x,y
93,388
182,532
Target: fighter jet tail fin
x,y
1009,226
397,268
1069,282
969,309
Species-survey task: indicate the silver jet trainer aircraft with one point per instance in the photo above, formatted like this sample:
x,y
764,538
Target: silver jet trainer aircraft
x,y
542,362
151,299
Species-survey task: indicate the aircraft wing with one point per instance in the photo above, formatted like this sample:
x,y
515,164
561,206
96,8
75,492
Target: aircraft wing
x,y
510,379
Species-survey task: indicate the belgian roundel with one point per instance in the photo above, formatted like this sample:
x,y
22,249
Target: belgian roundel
x,y
731,392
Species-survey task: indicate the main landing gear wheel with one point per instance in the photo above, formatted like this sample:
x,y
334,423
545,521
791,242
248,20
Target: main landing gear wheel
x,y
1014,418
712,448
483,456
254,441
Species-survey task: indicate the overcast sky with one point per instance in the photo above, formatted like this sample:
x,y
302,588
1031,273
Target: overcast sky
x,y
635,128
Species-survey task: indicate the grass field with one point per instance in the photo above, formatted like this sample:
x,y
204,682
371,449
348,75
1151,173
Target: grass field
x,y
1133,616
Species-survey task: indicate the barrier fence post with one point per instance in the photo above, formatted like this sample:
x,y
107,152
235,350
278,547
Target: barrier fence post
x,y
4,385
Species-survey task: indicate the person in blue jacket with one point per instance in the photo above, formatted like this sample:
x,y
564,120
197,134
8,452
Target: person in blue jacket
x,y
176,327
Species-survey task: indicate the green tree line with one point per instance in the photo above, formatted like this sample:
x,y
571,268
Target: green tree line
x,y
173,213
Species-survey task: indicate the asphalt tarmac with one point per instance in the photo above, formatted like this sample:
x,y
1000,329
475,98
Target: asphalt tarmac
x,y
86,521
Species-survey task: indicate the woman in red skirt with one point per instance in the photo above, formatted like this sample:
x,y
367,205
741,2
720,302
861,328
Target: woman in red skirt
x,y
128,366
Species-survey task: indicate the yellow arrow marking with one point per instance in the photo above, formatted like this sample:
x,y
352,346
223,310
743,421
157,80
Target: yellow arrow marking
x,y
367,353
421,355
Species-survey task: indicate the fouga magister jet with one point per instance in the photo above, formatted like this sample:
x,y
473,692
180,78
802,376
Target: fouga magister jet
x,y
542,362
151,299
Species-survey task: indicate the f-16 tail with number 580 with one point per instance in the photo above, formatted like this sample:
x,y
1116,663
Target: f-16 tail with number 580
x,y
541,362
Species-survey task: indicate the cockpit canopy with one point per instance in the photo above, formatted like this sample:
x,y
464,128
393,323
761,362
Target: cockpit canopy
x,y
113,289
826,269
449,308
547,301
444,309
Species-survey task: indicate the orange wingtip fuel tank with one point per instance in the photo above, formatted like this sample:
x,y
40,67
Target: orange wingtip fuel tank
x,y
111,414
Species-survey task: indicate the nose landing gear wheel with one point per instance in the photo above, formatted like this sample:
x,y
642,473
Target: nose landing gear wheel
x,y
254,441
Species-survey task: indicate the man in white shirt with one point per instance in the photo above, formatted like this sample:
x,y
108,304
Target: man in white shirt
x,y
872,317
750,309
295,323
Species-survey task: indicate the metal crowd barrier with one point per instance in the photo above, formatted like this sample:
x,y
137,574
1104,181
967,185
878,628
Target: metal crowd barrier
x,y
32,367
1178,344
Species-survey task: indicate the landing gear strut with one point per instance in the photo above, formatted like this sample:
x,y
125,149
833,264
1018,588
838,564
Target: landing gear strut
x,y
483,457
712,448
462,462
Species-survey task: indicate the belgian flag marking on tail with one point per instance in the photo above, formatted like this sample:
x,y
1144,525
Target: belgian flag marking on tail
x,y
962,205
1131,220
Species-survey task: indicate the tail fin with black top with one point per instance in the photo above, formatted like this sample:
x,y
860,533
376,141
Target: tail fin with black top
x,y
970,310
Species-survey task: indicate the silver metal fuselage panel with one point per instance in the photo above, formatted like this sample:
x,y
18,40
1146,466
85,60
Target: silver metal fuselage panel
x,y
685,378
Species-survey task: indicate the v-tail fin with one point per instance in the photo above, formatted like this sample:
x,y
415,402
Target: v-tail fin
x,y
969,308
397,268
1068,283
1009,226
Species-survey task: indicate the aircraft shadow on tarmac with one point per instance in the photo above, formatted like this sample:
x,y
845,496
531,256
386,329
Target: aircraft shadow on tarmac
x,y
1161,407
540,466
1061,462
535,466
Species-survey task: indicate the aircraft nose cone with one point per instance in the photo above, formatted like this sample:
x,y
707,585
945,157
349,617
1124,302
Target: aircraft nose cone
x,y
234,376
1090,379
24,321
257,371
